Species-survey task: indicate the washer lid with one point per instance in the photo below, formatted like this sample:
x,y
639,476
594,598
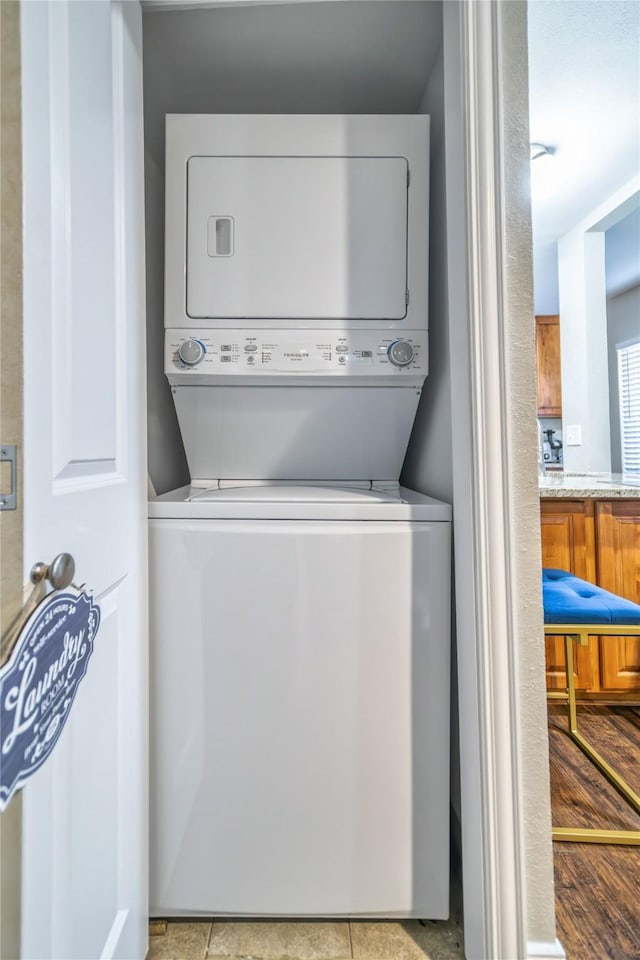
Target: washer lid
x,y
297,501
282,493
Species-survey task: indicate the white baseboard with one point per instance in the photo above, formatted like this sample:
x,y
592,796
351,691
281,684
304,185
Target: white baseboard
x,y
543,951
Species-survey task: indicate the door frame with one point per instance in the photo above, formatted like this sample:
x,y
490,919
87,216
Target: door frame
x,y
508,887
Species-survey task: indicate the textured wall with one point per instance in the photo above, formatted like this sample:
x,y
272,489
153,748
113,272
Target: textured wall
x,y
525,587
11,564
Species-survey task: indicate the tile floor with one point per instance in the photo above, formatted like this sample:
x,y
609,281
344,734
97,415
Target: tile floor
x,y
304,940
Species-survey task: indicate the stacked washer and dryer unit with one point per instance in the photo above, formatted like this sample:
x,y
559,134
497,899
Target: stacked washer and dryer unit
x,y
299,596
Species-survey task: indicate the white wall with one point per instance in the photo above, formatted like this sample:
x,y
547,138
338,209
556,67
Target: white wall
x,y
167,462
545,279
349,57
427,467
622,254
622,274
623,324
428,464
583,330
583,335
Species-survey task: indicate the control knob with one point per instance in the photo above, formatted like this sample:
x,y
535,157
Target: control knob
x,y
191,352
400,353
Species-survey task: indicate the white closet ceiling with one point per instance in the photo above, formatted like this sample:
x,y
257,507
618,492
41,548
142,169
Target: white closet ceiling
x,y
334,57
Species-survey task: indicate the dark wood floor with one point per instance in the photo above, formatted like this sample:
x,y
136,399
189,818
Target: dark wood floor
x,y
597,886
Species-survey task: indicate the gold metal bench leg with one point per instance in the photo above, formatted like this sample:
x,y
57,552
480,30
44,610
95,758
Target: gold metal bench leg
x,y
592,834
628,838
571,684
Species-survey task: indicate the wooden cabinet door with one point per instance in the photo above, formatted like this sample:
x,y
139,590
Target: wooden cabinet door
x,y
548,366
567,528
618,566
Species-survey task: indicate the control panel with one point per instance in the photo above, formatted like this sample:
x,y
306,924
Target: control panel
x,y
252,353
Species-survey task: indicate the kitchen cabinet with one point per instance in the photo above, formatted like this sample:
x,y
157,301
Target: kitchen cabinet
x,y
599,541
618,570
549,379
568,543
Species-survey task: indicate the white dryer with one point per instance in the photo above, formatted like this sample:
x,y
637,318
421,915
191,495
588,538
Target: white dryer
x,y
299,598
296,270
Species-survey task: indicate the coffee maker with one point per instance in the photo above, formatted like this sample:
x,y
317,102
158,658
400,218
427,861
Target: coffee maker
x,y
552,449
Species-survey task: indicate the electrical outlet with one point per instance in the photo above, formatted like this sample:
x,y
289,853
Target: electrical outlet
x,y
573,435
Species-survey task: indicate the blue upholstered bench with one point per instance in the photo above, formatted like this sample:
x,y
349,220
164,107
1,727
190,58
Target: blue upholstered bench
x,y
576,609
568,599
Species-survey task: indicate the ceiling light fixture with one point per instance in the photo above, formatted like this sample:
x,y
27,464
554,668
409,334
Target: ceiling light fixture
x,y
540,150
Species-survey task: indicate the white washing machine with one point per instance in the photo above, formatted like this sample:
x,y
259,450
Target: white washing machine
x,y
299,597
300,690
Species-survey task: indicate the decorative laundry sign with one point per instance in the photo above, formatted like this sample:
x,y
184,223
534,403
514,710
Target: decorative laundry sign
x,y
39,682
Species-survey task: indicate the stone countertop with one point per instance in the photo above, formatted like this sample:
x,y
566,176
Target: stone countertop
x,y
601,486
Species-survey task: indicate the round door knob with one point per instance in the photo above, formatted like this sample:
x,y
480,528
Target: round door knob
x,y
191,352
59,572
400,353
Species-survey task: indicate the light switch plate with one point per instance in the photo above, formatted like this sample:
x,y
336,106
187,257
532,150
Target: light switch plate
x,y
573,435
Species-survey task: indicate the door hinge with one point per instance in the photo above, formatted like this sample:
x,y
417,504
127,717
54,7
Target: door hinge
x,y
406,298
408,175
8,454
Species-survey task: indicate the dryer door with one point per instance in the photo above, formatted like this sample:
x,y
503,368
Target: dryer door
x,y
297,237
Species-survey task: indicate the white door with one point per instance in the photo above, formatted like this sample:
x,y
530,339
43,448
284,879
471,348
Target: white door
x,y
84,884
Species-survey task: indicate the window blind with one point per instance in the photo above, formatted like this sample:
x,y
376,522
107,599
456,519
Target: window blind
x,y
629,394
